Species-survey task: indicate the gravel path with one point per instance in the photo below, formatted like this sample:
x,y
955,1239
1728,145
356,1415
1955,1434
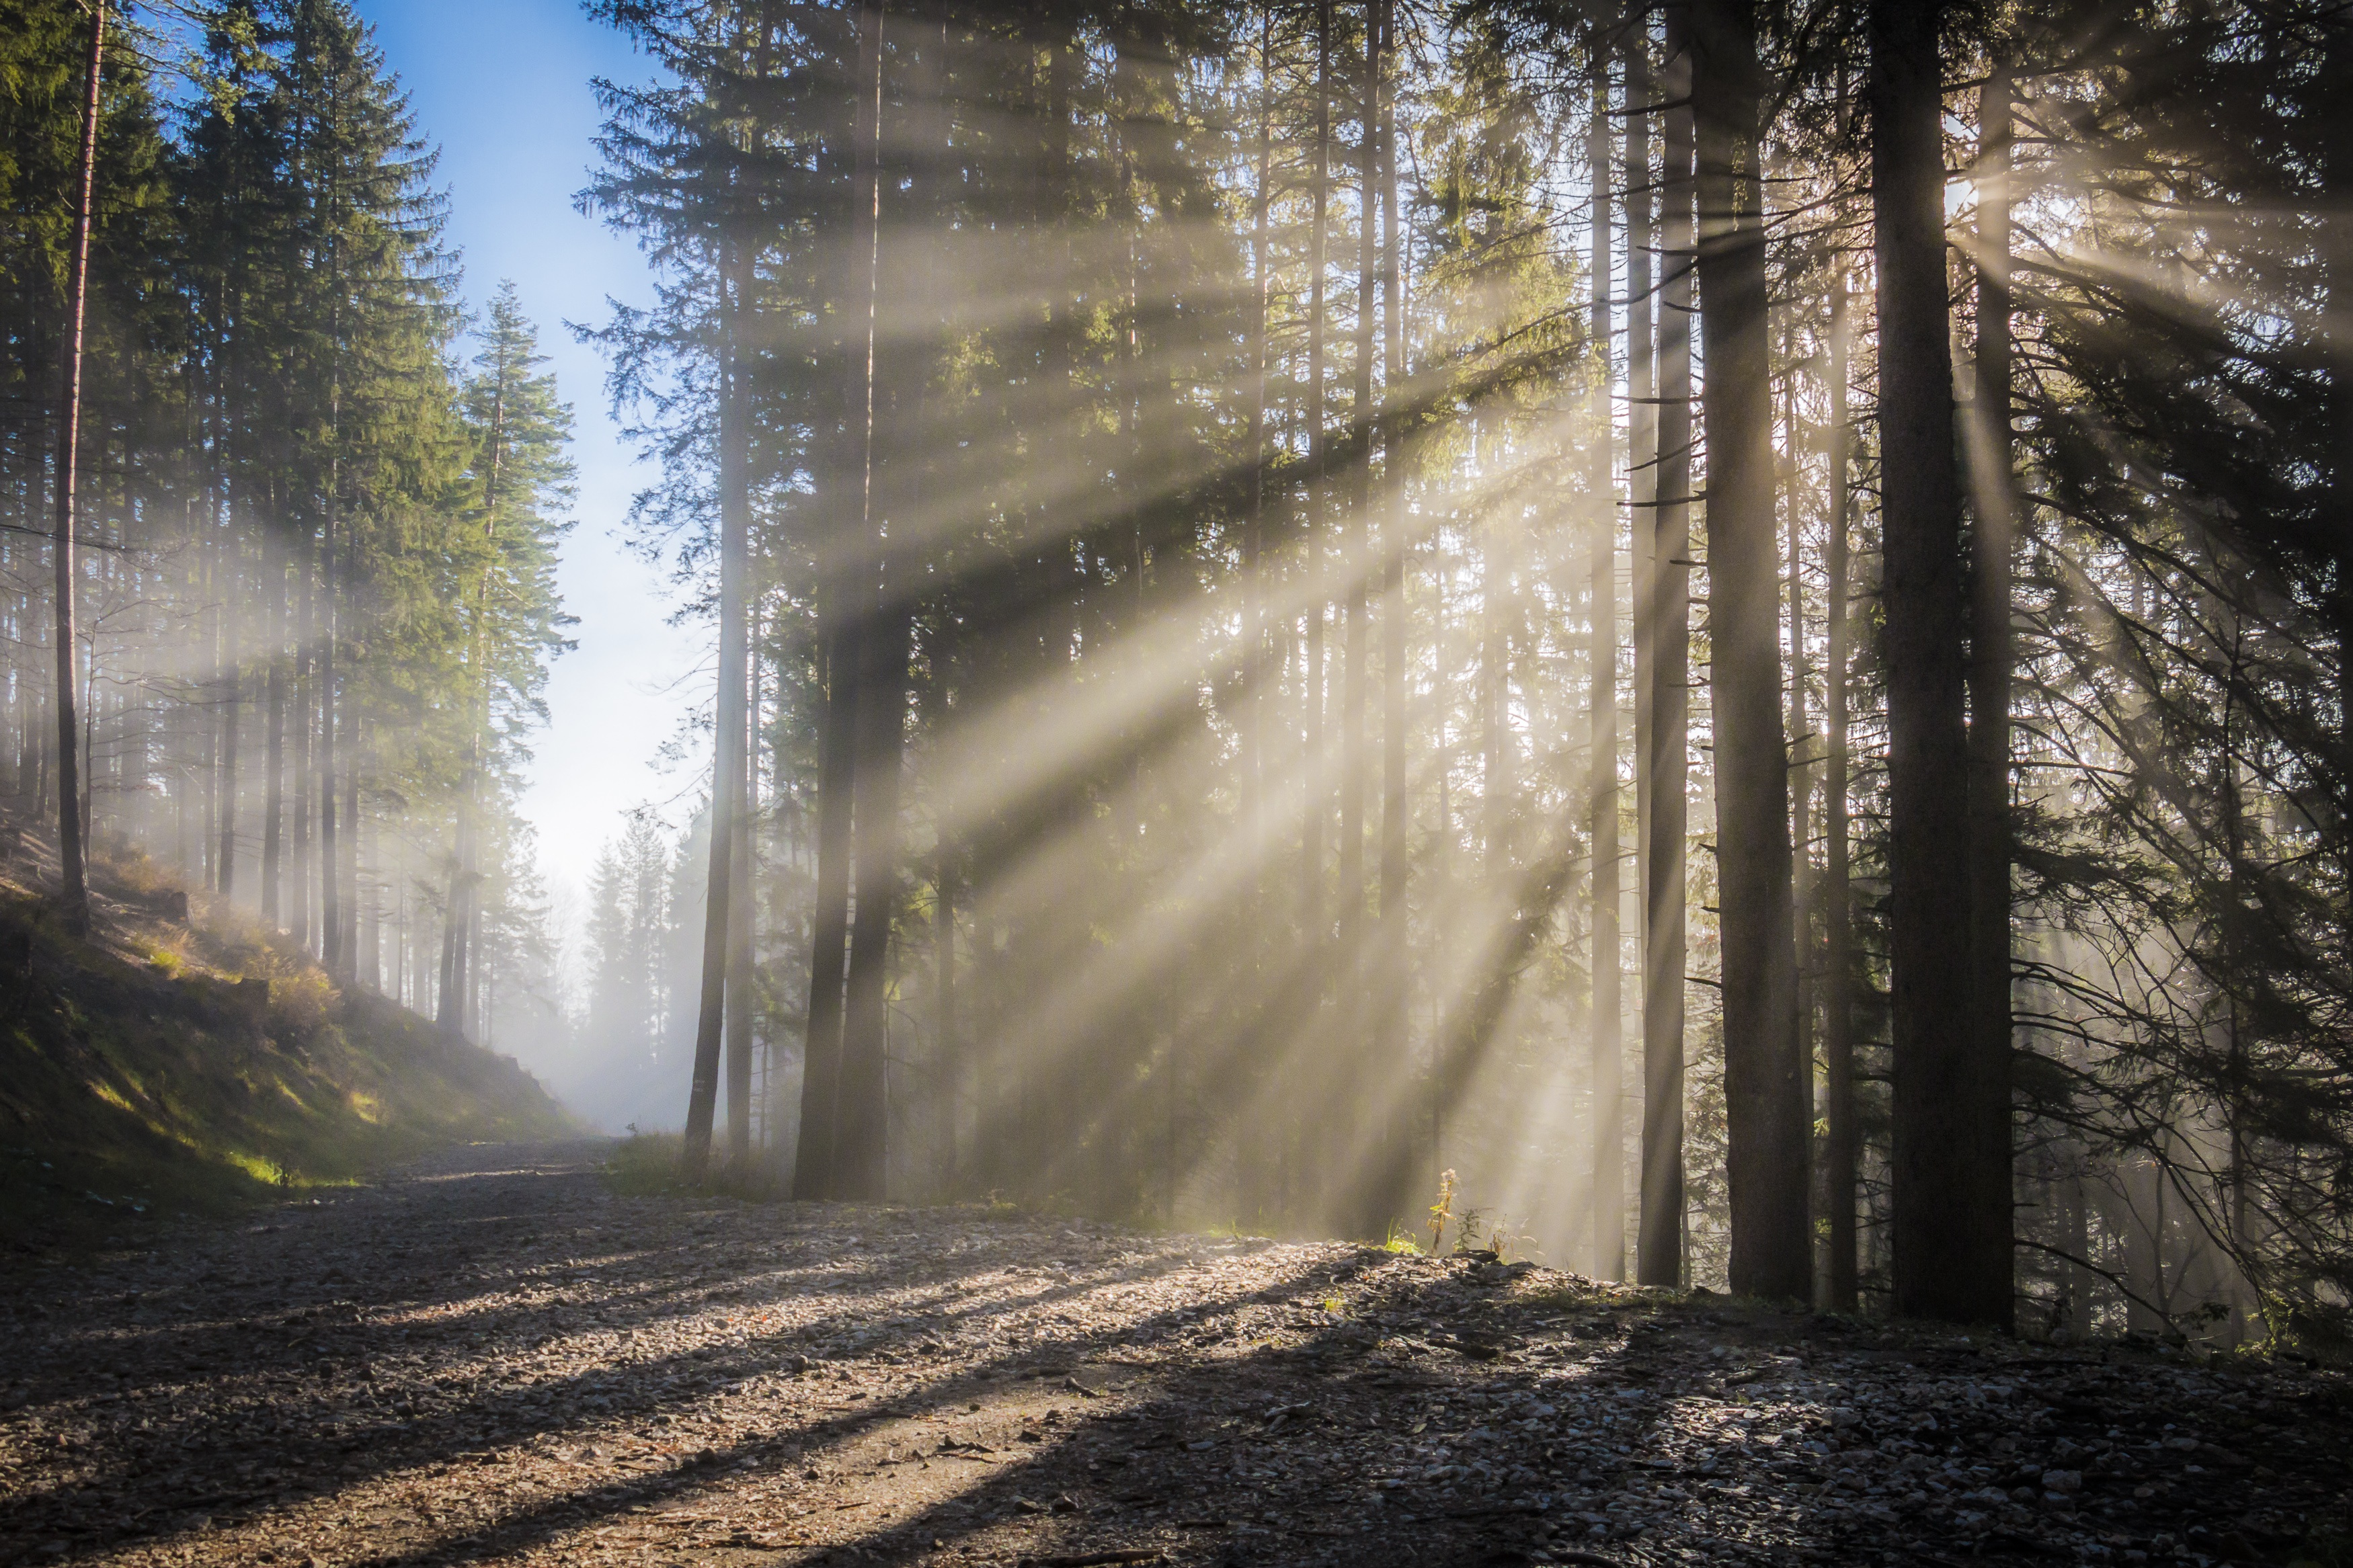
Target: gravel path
x,y
492,1358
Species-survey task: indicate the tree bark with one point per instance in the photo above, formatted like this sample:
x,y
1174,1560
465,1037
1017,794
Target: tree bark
x,y
862,1121
331,903
1993,492
1658,1255
1318,787
742,998
1950,1202
727,738
1609,1042
1763,1082
273,805
1357,547
1393,1173
74,892
1837,978
846,592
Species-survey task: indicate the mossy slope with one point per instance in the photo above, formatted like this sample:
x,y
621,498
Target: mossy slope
x,y
139,1077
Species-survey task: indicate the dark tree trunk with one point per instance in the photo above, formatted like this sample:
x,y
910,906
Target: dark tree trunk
x,y
1950,1202
74,892
1658,1252
1357,540
273,798
305,716
1641,467
331,903
861,1120
1838,965
742,1002
1393,1173
232,691
727,738
847,592
1609,1042
1318,785
1766,1111
829,920
1994,496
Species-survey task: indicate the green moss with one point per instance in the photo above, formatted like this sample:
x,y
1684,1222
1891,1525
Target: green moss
x,y
131,1091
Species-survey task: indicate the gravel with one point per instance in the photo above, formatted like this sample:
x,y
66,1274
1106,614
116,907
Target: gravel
x,y
490,1357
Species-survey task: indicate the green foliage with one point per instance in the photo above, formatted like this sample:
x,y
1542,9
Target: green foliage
x,y
136,1088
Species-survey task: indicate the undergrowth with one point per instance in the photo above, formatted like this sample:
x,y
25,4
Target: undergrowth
x,y
156,1068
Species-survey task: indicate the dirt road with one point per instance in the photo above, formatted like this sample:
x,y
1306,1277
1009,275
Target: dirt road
x,y
491,1358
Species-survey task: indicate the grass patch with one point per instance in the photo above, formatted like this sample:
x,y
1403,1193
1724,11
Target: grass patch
x,y
140,1080
646,1164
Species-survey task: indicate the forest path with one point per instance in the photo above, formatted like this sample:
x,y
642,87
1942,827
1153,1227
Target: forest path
x,y
491,1358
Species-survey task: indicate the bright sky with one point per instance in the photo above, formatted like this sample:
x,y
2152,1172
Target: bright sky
x,y
502,86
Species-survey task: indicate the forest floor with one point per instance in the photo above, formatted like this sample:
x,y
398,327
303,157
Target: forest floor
x,y
495,1357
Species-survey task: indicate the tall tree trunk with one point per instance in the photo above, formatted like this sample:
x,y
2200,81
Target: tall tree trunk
x,y
273,804
845,592
1609,1042
861,1161
1393,1173
232,687
727,738
742,1001
1993,493
1764,1082
305,716
1254,619
948,1042
1837,965
1950,1207
74,890
861,1158
1642,458
448,999
1357,540
1318,790
1659,1258
333,950
330,902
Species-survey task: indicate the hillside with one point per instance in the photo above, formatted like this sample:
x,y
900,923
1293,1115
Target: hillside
x,y
181,1058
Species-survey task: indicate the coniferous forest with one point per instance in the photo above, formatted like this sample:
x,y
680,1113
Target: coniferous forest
x,y
1718,636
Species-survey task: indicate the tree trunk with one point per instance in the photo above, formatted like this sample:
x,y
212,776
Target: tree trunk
x,y
728,730
1609,1042
742,1000
1993,493
1318,783
1642,458
305,717
1659,1258
74,891
1393,1173
1838,965
862,1121
1766,1113
1950,1204
232,679
845,595
1356,540
331,903
273,802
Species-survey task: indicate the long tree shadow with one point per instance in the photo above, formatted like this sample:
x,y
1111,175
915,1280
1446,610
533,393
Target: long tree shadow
x,y
1445,1415
379,1435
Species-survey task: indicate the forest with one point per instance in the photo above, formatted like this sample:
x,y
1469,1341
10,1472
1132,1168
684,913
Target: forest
x,y
1712,641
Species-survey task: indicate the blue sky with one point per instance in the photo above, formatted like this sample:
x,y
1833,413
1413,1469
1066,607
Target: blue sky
x,y
502,87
